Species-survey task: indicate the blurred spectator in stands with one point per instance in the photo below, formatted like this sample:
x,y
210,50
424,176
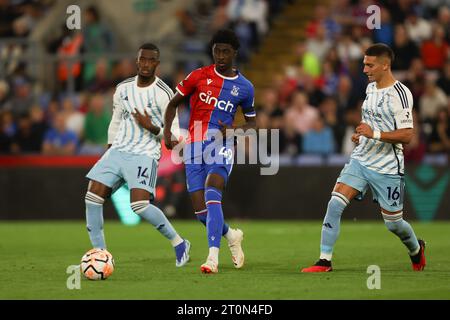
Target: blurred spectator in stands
x,y
270,116
22,99
385,33
415,150
440,137
310,86
319,44
348,50
400,9
286,84
431,7
58,139
95,133
39,125
358,80
322,17
269,107
251,15
359,18
7,131
307,60
126,68
101,82
8,13
52,109
328,109
318,140
415,79
352,120
444,79
68,67
443,20
432,100
32,12
197,25
97,39
25,140
299,117
345,98
74,118
341,11
418,28
328,80
4,94
404,49
336,64
436,50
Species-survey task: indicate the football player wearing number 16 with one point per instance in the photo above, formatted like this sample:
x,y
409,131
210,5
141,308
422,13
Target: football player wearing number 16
x,y
377,161
215,93
134,136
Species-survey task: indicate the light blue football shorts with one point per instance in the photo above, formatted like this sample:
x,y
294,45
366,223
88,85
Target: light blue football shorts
x,y
116,167
387,189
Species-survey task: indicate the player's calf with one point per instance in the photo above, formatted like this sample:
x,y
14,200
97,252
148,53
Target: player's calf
x,y
157,218
402,229
94,219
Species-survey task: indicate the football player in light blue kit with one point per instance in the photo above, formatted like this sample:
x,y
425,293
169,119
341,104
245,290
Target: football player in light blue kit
x,y
377,162
134,136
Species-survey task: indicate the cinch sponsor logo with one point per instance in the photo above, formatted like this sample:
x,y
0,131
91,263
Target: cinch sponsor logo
x,y
221,104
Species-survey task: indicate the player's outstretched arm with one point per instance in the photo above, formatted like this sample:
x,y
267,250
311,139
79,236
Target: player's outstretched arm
x,y
396,136
171,111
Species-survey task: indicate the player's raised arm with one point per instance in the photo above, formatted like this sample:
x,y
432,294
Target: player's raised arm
x,y
169,115
402,104
396,136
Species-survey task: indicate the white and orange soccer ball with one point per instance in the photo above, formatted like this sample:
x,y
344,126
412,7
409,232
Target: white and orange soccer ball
x,y
97,264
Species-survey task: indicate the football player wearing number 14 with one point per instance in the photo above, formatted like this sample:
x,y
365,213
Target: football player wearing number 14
x,y
377,161
215,93
134,136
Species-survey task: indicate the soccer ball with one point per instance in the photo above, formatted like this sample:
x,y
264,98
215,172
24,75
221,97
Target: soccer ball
x,y
97,264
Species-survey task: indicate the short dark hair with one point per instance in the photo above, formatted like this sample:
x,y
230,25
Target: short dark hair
x,y
149,46
380,50
225,36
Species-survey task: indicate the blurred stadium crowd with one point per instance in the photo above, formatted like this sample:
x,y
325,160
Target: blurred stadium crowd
x,y
315,103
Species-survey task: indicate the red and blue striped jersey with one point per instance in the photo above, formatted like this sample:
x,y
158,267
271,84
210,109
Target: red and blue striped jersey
x,y
214,97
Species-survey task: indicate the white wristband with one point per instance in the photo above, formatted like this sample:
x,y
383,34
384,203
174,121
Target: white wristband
x,y
376,135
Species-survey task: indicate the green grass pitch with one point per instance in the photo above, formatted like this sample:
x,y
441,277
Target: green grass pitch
x,y
34,257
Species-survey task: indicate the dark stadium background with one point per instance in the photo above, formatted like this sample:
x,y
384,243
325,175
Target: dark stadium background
x,y
292,51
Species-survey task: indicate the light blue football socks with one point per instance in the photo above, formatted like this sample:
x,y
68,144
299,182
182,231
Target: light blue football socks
x,y
94,219
403,230
331,224
156,217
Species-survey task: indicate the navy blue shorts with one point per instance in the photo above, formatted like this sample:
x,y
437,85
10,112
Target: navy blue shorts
x,y
204,158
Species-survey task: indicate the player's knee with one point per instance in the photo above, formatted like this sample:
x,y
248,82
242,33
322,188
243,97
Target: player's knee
x,y
337,203
393,221
139,206
93,199
212,195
